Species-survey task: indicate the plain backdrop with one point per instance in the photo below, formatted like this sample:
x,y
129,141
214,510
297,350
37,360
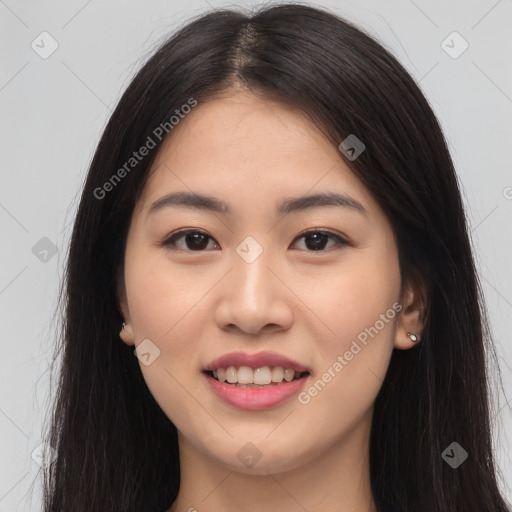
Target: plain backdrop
x,y
54,106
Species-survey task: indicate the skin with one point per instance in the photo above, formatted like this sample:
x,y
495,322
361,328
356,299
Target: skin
x,y
195,305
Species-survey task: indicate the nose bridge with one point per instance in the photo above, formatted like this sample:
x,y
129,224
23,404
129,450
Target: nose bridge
x,y
252,296
251,274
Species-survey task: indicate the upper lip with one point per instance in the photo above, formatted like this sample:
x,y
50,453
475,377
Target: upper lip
x,y
255,361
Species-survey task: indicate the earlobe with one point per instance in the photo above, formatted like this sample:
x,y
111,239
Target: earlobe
x,y
409,329
411,322
126,334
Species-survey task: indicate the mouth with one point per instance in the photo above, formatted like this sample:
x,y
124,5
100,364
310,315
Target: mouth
x,y
255,378
255,389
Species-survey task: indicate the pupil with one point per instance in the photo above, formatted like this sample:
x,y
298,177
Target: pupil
x,y
318,237
196,237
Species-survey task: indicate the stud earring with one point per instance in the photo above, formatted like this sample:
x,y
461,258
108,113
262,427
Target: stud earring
x,y
122,326
412,337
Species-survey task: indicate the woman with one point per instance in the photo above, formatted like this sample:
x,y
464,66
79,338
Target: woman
x,y
273,226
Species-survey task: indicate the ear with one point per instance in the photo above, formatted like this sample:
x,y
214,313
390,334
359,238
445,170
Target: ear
x,y
125,333
414,313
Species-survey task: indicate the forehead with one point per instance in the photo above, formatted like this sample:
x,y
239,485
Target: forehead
x,y
250,152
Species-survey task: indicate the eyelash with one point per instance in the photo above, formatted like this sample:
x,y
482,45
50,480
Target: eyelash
x,y
170,242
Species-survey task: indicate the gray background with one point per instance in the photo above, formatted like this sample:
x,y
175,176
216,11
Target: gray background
x,y
52,113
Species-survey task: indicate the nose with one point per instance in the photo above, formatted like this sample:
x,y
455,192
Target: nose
x,y
254,298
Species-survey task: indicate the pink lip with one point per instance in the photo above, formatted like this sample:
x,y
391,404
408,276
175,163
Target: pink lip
x,y
255,361
254,398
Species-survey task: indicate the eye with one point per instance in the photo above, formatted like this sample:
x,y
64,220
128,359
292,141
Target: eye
x,y
194,240
318,239
197,241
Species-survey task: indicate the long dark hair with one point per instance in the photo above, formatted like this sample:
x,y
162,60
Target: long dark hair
x,y
116,449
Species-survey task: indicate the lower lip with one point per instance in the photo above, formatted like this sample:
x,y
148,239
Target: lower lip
x,y
253,398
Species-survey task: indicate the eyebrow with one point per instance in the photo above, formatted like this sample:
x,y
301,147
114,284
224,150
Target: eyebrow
x,y
290,205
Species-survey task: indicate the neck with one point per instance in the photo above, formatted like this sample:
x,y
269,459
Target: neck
x,y
337,480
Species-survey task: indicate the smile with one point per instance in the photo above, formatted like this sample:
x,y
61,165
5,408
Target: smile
x,y
255,388
245,376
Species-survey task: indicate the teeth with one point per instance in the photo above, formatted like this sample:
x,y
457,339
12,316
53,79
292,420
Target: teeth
x,y
262,375
244,376
231,375
288,375
277,374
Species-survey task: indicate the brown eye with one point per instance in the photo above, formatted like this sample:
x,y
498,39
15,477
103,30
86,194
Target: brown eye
x,y
317,240
197,241
194,240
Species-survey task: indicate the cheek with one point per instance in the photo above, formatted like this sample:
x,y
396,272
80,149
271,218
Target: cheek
x,y
164,306
159,294
361,310
352,297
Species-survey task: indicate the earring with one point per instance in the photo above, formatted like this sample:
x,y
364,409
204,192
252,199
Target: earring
x,y
412,336
122,327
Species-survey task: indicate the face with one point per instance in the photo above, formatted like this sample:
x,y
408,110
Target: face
x,y
312,286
